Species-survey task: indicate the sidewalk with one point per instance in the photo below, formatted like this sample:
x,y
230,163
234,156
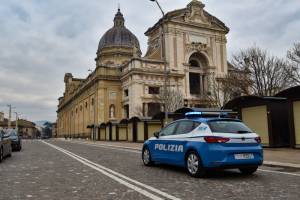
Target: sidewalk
x,y
279,157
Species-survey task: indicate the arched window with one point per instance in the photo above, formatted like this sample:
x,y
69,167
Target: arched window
x,y
112,111
194,63
198,60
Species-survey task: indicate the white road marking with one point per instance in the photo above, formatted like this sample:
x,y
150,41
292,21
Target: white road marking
x,y
136,151
278,172
114,147
117,176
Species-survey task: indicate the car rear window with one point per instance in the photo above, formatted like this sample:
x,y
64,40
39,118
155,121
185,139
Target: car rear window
x,y
227,126
11,132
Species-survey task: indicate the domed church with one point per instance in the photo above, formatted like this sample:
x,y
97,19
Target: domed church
x,y
190,41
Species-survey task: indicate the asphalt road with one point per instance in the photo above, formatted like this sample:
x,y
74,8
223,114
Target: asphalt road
x,y
71,170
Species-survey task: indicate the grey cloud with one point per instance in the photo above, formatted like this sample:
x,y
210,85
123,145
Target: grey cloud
x,y
42,40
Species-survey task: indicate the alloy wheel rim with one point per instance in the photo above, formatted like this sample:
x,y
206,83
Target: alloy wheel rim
x,y
146,156
193,163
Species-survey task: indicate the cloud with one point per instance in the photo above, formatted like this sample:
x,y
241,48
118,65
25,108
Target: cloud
x,y
42,40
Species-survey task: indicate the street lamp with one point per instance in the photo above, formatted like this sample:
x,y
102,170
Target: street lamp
x,y
164,59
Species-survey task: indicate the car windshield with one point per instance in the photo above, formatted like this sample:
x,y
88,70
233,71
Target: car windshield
x,y
227,126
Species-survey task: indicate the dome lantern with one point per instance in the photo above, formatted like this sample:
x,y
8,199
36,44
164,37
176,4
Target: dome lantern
x,y
119,19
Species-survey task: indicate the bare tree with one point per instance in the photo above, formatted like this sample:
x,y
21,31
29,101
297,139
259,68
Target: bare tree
x,y
223,89
174,99
267,73
294,57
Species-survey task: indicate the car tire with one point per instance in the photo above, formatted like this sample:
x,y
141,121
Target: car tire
x,y
146,157
248,170
1,154
194,165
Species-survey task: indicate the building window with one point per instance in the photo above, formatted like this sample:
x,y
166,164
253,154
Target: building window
x,y
198,60
153,108
92,101
112,111
126,111
76,110
153,90
86,104
126,93
194,83
194,63
81,108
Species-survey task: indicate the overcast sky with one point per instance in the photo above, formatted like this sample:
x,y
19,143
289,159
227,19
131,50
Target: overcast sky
x,y
41,40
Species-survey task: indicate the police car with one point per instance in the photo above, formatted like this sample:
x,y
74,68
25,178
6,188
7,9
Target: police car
x,y
204,141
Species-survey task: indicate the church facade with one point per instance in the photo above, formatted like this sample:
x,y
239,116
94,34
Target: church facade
x,y
190,41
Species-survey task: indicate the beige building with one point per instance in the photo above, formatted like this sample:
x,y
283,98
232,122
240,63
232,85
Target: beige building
x,y
124,83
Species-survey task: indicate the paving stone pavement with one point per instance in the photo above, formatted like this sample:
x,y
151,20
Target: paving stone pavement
x,y
42,172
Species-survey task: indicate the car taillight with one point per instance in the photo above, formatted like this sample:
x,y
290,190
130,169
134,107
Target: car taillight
x,y
258,140
211,139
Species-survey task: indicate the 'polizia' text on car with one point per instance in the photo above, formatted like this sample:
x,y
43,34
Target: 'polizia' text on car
x,y
204,141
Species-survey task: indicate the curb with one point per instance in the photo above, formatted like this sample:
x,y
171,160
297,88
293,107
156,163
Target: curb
x,y
279,164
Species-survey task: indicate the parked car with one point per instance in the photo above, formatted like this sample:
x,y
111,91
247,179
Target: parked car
x,y
16,139
205,141
5,146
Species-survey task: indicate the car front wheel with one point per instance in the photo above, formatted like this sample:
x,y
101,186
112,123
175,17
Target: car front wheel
x,y
248,170
194,165
146,156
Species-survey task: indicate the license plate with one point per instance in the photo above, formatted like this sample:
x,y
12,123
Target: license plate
x,y
244,156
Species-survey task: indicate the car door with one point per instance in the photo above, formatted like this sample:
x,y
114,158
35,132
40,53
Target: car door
x,y
178,141
1,140
3,143
6,145
159,145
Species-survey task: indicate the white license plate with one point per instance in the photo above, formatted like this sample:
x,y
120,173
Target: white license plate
x,y
244,156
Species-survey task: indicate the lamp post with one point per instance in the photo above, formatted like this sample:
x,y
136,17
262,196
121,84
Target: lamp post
x,y
164,59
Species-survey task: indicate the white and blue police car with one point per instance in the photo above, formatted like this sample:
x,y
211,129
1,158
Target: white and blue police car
x,y
204,141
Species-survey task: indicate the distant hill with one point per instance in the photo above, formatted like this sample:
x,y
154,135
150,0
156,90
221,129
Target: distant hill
x,y
41,123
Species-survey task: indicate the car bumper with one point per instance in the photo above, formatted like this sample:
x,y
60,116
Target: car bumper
x,y
223,155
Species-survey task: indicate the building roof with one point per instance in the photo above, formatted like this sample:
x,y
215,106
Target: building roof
x,y
291,93
118,35
251,100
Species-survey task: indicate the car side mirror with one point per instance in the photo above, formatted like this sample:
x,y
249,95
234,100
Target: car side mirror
x,y
156,134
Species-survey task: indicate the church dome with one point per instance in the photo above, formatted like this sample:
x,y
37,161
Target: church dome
x,y
119,36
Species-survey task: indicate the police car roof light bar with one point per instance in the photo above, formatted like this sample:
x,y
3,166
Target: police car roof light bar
x,y
214,113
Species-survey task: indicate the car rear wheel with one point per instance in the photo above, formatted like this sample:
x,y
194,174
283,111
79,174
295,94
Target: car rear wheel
x,y
248,170
146,156
1,155
194,165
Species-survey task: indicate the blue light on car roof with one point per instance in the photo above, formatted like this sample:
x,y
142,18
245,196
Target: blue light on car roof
x,y
193,114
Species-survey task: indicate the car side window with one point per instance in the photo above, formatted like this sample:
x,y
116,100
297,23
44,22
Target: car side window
x,y
185,127
196,124
169,130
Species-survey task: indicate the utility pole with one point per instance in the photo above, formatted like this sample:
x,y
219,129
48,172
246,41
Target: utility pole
x,y
164,59
17,119
9,116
